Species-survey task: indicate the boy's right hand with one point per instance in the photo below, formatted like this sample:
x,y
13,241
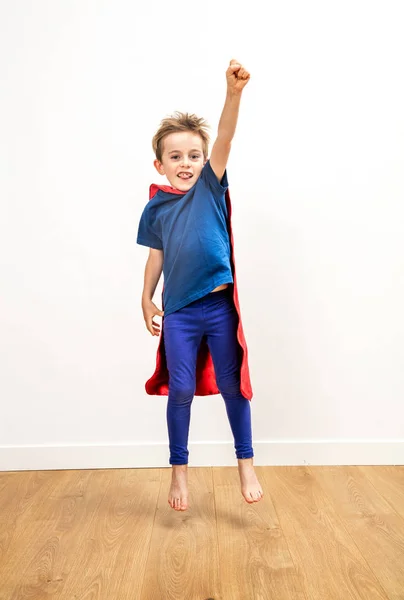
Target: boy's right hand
x,y
150,310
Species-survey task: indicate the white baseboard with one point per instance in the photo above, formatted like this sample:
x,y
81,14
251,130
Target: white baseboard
x,y
201,454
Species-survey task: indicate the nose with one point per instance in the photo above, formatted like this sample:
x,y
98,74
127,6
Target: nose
x,y
185,160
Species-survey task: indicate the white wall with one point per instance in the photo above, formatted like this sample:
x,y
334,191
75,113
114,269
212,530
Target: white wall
x,y
317,184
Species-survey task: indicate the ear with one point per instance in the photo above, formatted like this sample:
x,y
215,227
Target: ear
x,y
159,167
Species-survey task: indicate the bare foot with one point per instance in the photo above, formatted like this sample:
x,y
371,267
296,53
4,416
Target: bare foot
x,y
178,495
250,486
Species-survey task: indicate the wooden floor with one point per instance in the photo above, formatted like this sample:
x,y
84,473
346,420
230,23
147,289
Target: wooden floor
x,y
320,533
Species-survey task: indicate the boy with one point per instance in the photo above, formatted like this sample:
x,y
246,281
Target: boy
x,y
187,227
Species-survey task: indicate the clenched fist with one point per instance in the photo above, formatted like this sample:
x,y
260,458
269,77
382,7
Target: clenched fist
x,y
150,310
237,77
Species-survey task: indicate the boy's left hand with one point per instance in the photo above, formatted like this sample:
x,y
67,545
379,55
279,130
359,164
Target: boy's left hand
x,y
237,77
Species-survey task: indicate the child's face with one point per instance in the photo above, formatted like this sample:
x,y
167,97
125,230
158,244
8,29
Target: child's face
x,y
182,159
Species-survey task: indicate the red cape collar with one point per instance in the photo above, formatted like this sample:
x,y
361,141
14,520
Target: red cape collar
x,y
154,188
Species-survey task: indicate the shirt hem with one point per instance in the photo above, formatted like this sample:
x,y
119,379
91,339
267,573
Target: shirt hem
x,y
198,296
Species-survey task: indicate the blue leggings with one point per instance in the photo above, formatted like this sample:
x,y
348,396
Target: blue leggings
x,y
215,317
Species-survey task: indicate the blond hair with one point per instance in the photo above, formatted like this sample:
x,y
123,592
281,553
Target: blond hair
x,y
180,122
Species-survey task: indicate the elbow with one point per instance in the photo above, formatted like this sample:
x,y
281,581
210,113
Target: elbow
x,y
224,138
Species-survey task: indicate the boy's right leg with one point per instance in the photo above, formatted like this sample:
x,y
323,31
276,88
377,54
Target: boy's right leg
x,y
183,332
221,333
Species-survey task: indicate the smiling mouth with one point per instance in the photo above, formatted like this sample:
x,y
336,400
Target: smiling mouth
x,y
185,176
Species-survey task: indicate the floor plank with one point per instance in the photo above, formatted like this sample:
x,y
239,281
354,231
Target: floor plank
x,y
39,553
376,528
253,551
331,564
112,553
389,480
183,560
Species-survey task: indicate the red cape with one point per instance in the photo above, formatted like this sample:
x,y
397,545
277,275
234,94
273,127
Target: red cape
x,y
206,384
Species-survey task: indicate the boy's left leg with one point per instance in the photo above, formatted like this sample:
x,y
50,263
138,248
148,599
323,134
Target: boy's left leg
x,y
221,322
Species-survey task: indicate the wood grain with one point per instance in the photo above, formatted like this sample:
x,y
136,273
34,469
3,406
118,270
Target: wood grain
x,y
374,525
320,533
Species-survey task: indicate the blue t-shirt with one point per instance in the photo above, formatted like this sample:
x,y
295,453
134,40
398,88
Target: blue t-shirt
x,y
191,229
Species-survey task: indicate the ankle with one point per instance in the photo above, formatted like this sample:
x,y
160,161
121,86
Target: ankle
x,y
179,467
245,462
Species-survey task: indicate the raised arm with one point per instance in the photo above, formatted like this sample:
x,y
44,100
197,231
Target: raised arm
x,y
237,78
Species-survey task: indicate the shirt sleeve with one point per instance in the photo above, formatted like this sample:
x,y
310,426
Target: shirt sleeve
x,y
209,176
146,235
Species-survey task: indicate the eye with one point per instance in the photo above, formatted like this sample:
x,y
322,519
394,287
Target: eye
x,y
196,156
174,156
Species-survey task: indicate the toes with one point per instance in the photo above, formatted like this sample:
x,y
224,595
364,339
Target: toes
x,y
178,503
253,496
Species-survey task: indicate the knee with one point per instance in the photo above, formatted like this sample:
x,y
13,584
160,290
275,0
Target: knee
x,y
229,386
181,394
